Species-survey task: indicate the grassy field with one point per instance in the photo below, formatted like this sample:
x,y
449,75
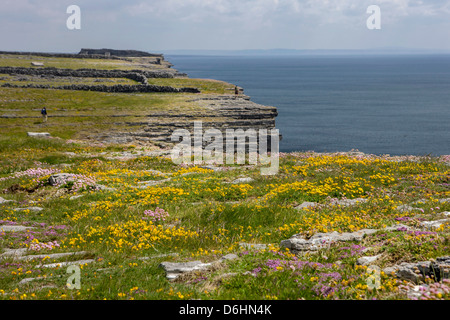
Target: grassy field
x,y
73,114
203,218
23,80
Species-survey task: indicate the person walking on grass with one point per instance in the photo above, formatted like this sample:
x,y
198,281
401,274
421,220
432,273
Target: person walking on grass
x,y
44,114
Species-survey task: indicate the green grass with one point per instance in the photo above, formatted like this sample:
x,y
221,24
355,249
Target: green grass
x,y
24,61
24,80
203,225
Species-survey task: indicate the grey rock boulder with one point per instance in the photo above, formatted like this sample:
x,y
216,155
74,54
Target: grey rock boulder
x,y
434,224
14,253
59,178
39,134
14,228
76,197
52,256
243,180
365,261
174,270
65,264
349,202
414,272
322,240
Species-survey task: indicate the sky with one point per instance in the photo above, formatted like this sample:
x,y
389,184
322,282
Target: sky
x,y
159,25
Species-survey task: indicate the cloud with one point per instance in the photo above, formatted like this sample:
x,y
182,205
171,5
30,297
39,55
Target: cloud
x,y
236,24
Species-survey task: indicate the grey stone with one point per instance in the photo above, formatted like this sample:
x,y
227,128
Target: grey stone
x,y
298,244
59,178
174,270
64,264
364,261
321,240
335,236
305,205
13,253
405,271
4,201
444,259
243,180
256,246
14,228
348,202
36,209
76,197
39,134
439,269
52,256
434,224
390,270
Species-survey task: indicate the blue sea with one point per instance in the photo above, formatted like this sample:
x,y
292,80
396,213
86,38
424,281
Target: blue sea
x,y
397,104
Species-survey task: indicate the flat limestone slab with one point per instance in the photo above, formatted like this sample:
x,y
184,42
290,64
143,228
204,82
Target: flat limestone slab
x,y
39,134
14,228
4,201
65,264
52,256
14,253
29,208
174,270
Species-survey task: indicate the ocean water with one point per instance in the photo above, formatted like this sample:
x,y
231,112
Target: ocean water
x,y
397,105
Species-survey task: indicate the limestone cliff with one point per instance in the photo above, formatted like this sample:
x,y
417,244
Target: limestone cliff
x,y
134,79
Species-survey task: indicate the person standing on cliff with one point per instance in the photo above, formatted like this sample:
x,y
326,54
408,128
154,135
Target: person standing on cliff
x,y
44,114
236,90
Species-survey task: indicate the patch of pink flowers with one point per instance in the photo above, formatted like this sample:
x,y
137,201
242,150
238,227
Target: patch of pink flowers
x,y
33,173
434,291
445,158
44,246
157,215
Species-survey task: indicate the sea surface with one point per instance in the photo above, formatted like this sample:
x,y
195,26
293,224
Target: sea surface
x,y
397,105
